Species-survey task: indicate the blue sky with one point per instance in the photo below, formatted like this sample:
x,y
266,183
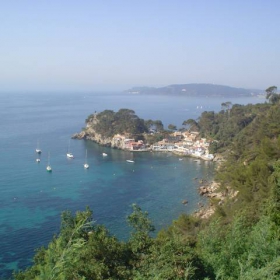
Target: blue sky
x,y
69,45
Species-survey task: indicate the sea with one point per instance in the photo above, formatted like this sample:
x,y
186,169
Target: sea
x,y
32,199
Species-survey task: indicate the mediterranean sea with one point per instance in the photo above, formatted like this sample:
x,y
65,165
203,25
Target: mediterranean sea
x,y
32,199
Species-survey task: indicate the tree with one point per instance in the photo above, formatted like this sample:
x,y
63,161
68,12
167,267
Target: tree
x,y
149,123
159,126
271,94
191,123
140,239
226,105
172,127
154,124
275,201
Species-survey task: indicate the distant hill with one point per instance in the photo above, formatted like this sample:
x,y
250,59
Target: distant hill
x,y
196,90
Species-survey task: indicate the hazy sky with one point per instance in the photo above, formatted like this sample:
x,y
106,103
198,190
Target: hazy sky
x,y
92,45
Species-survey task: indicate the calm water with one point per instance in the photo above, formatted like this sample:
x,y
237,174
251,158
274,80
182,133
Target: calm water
x,y
31,199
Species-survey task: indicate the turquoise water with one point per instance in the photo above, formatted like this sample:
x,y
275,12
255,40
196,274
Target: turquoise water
x,y
31,199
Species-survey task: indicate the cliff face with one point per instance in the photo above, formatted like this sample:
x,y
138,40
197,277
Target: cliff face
x,y
113,129
90,134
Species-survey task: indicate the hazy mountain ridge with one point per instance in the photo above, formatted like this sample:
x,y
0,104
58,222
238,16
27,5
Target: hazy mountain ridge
x,y
196,90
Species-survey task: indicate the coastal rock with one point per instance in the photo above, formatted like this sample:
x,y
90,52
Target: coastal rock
x,y
80,135
90,134
218,158
205,213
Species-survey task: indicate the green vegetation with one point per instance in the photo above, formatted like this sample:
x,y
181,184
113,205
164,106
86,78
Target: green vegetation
x,y
240,241
108,123
172,127
271,94
191,124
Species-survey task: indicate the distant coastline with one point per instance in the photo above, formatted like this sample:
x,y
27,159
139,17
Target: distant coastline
x,y
210,90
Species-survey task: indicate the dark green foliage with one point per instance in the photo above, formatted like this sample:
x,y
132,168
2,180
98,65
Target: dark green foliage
x,y
109,123
158,125
249,155
185,226
81,251
170,259
85,251
241,250
274,210
172,127
191,124
271,95
226,105
153,138
245,245
140,239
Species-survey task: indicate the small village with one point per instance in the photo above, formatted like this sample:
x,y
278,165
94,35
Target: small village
x,y
187,143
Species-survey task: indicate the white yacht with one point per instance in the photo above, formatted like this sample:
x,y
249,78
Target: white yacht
x,y
38,150
86,165
69,154
49,168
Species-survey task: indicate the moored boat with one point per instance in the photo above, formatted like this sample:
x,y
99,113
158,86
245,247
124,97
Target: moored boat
x,y
69,154
38,150
49,168
86,165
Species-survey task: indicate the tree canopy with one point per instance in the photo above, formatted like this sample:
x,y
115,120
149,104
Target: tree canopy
x,y
125,121
272,95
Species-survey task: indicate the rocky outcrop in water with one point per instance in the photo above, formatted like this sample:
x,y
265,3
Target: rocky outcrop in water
x,y
114,129
90,134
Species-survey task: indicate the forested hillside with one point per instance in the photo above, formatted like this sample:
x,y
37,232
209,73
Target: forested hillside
x,y
108,123
240,241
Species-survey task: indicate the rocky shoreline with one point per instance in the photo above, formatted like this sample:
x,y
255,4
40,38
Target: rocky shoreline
x,y
212,191
209,190
90,134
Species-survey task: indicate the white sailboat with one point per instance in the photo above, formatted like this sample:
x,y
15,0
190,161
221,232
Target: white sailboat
x,y
69,154
49,168
86,165
38,151
104,155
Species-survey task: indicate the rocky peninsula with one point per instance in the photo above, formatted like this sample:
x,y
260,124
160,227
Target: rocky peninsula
x,y
124,130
